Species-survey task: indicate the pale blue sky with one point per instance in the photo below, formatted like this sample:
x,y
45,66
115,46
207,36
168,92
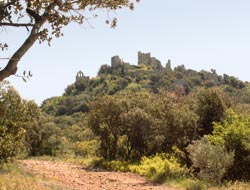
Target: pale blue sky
x,y
201,34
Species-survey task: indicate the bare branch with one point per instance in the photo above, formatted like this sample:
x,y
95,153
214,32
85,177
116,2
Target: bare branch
x,y
9,59
16,24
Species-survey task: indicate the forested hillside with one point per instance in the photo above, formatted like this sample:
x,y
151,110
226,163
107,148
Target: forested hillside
x,y
148,76
174,122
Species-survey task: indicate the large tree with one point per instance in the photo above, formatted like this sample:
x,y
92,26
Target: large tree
x,y
44,20
13,125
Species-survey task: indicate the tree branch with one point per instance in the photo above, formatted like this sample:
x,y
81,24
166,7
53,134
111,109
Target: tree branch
x,y
33,14
11,67
16,24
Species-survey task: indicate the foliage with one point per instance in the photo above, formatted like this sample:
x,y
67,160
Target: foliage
x,y
234,82
105,121
134,125
87,148
16,117
44,137
177,120
65,105
160,168
115,165
61,136
138,128
212,161
234,134
210,108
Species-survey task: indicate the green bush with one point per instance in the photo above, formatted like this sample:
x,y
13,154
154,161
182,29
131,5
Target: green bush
x,y
115,165
87,148
234,134
213,161
159,168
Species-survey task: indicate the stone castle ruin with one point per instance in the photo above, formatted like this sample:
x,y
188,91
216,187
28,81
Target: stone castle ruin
x,y
80,77
146,59
120,67
143,59
117,64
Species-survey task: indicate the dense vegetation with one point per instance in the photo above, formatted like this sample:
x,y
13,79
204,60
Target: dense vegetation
x,y
162,123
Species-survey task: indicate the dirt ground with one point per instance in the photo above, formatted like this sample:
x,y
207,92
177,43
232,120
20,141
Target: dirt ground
x,y
76,177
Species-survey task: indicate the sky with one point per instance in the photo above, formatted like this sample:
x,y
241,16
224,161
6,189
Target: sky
x,y
200,34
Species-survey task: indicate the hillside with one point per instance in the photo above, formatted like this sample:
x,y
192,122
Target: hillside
x,y
149,75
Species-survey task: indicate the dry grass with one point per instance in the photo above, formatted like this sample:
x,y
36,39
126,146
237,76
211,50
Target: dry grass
x,y
233,186
12,177
20,182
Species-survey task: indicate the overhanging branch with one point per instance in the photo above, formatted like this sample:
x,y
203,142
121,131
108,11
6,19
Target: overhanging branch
x,y
16,24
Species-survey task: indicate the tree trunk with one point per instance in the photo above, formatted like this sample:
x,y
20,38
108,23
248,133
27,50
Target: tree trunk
x,y
11,67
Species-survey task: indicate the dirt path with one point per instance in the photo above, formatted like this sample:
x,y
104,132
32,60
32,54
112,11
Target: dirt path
x,y
76,177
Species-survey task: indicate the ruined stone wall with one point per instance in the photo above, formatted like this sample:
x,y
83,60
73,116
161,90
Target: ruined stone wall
x,y
146,59
116,62
80,76
118,66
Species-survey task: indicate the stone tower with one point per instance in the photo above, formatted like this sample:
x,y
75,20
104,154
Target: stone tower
x,y
146,59
116,62
168,65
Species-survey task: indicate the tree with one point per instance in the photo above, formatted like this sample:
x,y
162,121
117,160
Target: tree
x,y
13,125
105,120
138,129
210,108
124,125
45,18
177,122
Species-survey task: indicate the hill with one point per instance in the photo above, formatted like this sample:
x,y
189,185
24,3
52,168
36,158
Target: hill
x,y
149,75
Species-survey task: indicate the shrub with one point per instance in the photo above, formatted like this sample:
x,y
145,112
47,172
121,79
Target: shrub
x,y
87,148
195,186
159,168
213,161
234,134
210,107
115,165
